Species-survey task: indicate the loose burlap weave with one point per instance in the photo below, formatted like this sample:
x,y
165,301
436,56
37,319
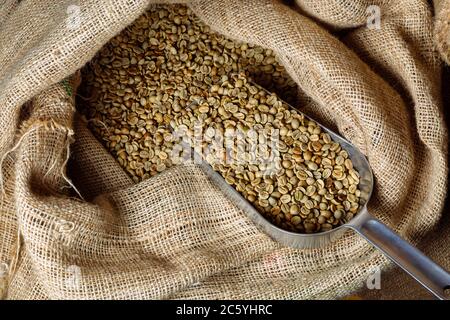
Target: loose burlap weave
x,y
442,28
175,235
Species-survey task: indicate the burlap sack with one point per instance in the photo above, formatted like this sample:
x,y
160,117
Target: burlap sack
x,y
397,284
175,235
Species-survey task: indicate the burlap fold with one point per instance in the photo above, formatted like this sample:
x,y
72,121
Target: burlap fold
x,y
442,28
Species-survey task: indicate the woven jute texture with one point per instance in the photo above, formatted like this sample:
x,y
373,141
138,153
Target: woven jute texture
x,y
442,28
79,227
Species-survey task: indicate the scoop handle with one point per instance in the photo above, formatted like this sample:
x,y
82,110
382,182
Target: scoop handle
x,y
428,273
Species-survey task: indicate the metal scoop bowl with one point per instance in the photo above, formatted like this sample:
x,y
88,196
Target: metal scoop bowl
x,y
420,267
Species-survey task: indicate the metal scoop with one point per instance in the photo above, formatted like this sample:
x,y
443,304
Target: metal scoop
x,y
420,267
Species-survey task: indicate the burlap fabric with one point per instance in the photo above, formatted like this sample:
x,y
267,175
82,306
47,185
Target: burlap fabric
x,y
175,235
396,284
442,28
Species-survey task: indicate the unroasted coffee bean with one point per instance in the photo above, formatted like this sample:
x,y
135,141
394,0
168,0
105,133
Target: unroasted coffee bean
x,y
169,77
